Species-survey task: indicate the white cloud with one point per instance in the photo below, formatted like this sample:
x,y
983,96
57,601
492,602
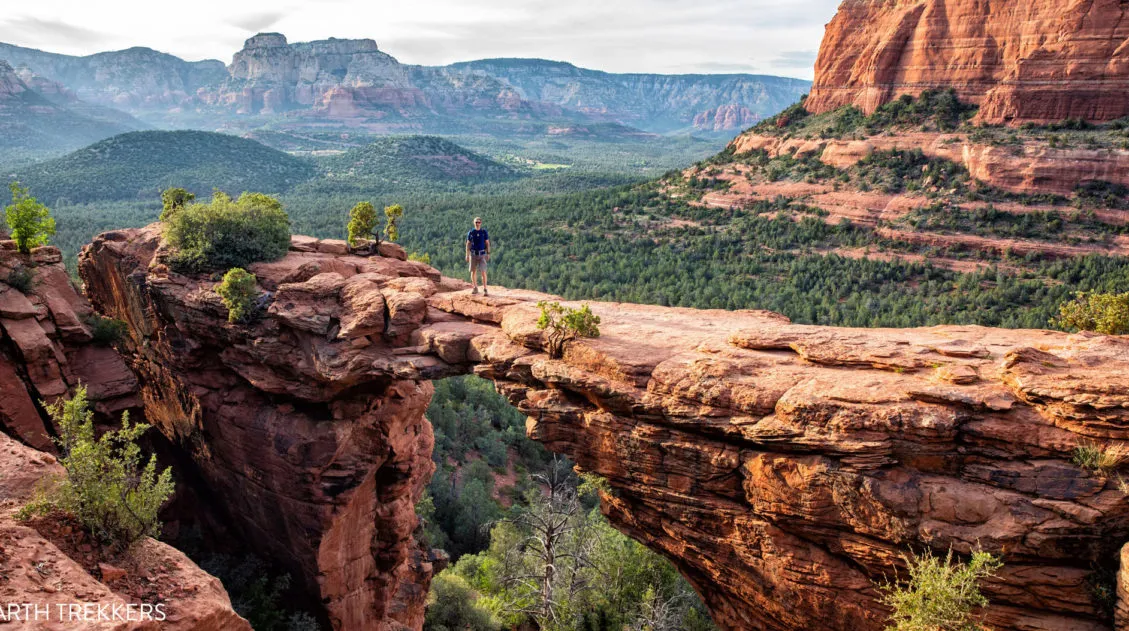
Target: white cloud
x,y
766,36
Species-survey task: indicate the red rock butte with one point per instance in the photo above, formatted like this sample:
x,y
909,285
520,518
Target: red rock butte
x,y
1038,61
783,468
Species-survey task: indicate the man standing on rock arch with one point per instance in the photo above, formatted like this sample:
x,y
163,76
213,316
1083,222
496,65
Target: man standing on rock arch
x,y
478,254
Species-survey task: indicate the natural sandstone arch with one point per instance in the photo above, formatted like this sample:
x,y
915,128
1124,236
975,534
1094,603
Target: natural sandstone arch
x,y
782,467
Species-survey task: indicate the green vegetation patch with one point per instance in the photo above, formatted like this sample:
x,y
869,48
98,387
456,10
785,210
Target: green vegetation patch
x,y
139,165
932,110
226,233
106,487
942,594
403,159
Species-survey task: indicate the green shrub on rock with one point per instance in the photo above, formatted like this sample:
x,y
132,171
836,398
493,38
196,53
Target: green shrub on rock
x,y
1092,311
172,200
106,488
391,228
226,233
563,324
106,331
21,279
29,221
941,593
363,224
239,290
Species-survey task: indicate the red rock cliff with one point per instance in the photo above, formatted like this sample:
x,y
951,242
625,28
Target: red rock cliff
x,y
783,468
46,349
1020,61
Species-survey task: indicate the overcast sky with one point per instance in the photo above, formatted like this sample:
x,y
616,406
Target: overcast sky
x,y
761,36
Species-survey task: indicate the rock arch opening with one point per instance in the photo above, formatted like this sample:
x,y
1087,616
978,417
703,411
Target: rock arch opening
x,y
783,467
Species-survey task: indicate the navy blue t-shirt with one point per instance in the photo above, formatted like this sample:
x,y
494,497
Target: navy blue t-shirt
x,y
477,240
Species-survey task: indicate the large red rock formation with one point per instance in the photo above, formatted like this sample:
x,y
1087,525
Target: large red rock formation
x,y
35,571
784,468
46,346
1020,61
305,427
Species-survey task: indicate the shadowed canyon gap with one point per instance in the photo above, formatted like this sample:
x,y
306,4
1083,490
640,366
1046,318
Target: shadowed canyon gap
x,y
784,468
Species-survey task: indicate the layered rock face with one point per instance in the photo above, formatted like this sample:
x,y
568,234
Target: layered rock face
x,y
1020,61
1034,168
46,350
270,75
46,347
783,468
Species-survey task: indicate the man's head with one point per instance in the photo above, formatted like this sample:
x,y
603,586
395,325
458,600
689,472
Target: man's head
x,y
478,223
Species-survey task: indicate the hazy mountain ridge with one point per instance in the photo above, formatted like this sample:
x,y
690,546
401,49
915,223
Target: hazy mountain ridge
x,y
52,121
134,79
654,102
353,82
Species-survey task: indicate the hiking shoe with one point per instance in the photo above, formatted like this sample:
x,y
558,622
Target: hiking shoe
x,y
485,292
474,292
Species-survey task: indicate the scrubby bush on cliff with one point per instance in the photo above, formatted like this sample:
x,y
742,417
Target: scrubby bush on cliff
x,y
240,291
20,278
393,214
563,324
106,331
1093,311
226,233
790,115
941,594
1101,459
29,221
363,223
172,200
106,487
941,108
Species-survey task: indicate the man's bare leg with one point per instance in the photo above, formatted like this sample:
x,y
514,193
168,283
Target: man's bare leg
x,y
485,291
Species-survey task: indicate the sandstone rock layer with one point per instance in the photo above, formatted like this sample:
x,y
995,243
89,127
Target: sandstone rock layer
x,y
1032,168
46,346
1020,61
784,468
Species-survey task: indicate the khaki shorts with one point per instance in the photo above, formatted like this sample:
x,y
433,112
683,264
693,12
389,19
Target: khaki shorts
x,y
478,262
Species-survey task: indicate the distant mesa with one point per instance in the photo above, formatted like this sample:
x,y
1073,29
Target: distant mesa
x,y
265,40
1020,61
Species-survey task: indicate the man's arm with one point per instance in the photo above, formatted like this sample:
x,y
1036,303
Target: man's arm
x,y
487,247
468,247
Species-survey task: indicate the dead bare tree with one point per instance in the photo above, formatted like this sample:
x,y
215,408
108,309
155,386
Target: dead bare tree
x,y
551,565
